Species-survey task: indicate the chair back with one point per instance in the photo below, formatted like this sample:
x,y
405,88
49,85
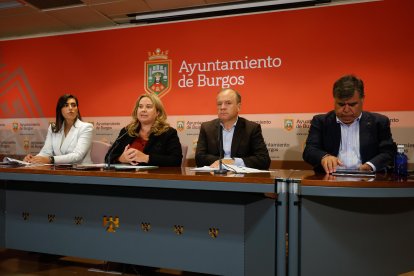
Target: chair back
x,y
184,149
98,151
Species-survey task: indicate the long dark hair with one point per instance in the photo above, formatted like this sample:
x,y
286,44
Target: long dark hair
x,y
59,117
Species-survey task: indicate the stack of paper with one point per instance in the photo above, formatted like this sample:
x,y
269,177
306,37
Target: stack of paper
x,y
15,162
239,169
230,168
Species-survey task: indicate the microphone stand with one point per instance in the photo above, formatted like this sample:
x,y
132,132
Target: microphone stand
x,y
114,146
108,160
220,170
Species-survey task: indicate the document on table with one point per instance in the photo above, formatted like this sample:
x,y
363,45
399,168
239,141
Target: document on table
x,y
136,167
8,161
240,169
230,168
12,161
113,166
203,169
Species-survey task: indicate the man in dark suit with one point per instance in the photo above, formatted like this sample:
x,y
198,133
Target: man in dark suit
x,y
348,137
243,142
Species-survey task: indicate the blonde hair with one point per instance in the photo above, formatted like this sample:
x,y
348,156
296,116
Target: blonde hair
x,y
160,125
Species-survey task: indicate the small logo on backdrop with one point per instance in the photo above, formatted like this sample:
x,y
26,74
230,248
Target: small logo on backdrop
x,y
180,125
288,125
26,144
158,73
15,126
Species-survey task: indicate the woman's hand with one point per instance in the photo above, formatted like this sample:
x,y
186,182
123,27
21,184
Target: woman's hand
x,y
133,156
27,158
37,159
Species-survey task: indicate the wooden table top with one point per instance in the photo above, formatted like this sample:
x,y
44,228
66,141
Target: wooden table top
x,y
304,177
170,173
380,180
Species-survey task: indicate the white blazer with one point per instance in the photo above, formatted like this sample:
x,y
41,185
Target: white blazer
x,y
75,148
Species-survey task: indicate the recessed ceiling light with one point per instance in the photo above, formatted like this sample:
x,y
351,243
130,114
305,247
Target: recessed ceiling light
x,y
11,4
54,4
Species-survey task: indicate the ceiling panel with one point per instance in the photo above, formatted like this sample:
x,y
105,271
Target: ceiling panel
x,y
168,4
18,11
92,14
33,23
93,2
121,8
79,17
220,1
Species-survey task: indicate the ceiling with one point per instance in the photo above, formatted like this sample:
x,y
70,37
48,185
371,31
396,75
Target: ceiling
x,y
23,18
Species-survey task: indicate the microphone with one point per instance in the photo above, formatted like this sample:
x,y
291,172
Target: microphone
x,y
114,146
220,170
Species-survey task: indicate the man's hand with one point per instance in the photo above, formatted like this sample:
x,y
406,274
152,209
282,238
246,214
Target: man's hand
x,y
365,167
224,161
329,163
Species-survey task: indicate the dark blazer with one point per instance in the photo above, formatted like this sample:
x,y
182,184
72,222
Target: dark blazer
x,y
248,144
163,150
375,140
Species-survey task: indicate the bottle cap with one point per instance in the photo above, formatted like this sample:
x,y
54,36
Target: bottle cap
x,y
400,148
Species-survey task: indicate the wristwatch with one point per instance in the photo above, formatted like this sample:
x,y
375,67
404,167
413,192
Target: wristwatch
x,y
52,159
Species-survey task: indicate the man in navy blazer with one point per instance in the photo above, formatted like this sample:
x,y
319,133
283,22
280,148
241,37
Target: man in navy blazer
x,y
243,142
348,137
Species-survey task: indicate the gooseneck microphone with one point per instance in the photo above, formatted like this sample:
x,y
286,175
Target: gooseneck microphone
x,y
220,170
114,146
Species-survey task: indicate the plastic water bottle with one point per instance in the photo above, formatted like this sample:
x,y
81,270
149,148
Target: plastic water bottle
x,y
400,165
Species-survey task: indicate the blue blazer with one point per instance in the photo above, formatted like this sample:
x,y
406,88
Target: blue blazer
x,y
375,140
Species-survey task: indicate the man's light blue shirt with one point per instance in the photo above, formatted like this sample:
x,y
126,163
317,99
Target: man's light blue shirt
x,y
227,140
349,150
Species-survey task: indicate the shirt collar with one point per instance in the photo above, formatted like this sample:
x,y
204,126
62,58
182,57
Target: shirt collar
x,y
234,125
356,120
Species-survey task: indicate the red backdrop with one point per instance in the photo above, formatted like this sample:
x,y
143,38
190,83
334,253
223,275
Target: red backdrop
x,y
105,69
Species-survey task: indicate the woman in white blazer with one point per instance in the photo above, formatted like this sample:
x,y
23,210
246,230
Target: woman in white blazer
x,y
68,140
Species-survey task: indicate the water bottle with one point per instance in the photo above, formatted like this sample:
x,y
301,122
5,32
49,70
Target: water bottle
x,y
400,165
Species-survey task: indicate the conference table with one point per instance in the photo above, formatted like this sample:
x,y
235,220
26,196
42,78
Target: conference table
x,y
350,225
167,217
284,222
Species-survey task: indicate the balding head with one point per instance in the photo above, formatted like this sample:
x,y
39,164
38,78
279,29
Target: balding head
x,y
231,91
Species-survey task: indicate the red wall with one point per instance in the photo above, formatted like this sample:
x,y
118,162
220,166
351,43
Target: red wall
x,y
105,69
